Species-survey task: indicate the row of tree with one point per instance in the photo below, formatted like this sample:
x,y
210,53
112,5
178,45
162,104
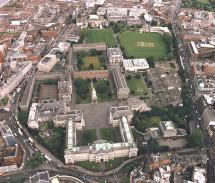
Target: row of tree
x,y
203,5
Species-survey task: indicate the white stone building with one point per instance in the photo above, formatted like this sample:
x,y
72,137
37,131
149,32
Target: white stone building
x,y
55,111
100,150
116,113
135,65
10,83
114,56
47,63
168,129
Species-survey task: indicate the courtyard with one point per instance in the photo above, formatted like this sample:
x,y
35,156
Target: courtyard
x,y
103,90
136,85
82,91
45,89
143,45
93,63
91,60
96,115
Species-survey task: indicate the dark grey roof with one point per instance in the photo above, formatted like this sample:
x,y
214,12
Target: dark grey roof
x,y
11,140
119,78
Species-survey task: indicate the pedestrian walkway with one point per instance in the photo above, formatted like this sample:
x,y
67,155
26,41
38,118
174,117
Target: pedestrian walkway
x,y
98,134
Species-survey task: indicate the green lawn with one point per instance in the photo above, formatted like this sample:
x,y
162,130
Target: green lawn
x,y
89,165
137,86
144,44
103,91
91,60
114,163
110,134
155,120
96,166
88,137
100,35
98,62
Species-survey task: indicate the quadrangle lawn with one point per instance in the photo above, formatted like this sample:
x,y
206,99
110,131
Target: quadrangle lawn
x,y
95,60
143,45
110,134
136,86
100,35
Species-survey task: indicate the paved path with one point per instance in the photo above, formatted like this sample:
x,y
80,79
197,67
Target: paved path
x,y
110,172
98,134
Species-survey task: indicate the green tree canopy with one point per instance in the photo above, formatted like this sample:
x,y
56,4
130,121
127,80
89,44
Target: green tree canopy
x,y
196,139
151,62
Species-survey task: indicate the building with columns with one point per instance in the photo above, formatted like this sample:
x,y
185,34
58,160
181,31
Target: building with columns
x,y
100,150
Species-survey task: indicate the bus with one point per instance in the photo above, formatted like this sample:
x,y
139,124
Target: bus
x,y
20,132
18,90
31,140
6,109
49,159
19,124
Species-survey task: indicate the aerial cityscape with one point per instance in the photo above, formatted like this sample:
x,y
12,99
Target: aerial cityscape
x,y
107,91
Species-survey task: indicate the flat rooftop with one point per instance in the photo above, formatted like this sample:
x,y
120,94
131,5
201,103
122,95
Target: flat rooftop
x,y
119,78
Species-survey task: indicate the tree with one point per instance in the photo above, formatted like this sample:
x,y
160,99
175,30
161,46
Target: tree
x,y
169,40
94,80
196,139
142,16
154,23
82,87
35,161
91,67
151,62
4,101
137,76
93,52
69,20
128,77
23,118
101,86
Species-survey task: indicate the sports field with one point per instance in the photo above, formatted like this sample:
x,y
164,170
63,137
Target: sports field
x,y
100,35
145,44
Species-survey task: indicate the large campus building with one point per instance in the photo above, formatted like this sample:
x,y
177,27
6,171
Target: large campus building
x,y
100,150
89,46
10,83
55,111
116,113
10,151
120,83
65,89
168,130
114,56
27,95
47,63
